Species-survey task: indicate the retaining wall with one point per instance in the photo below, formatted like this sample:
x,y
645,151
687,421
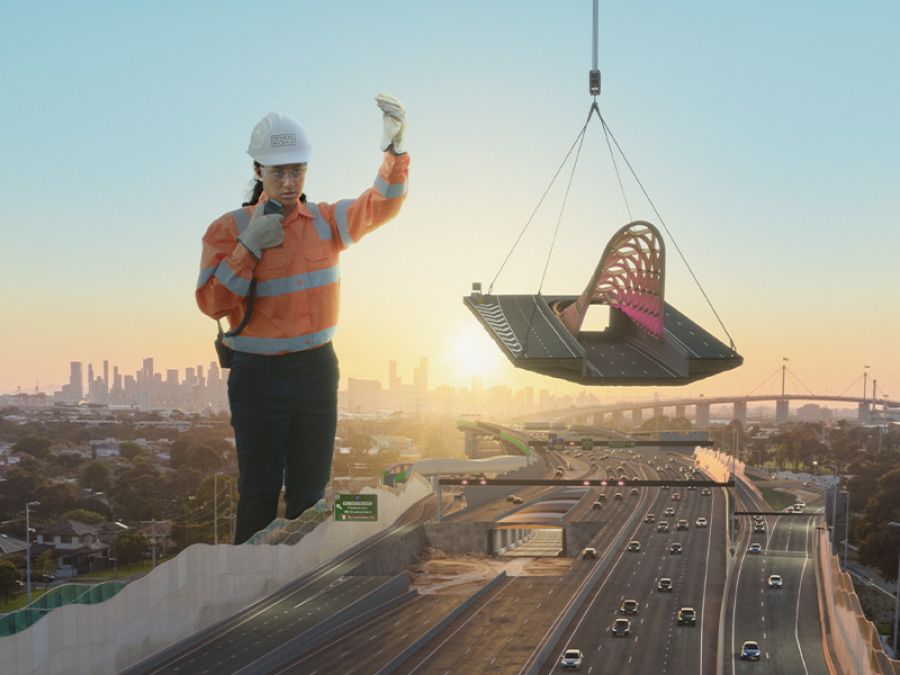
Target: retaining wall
x,y
200,586
856,643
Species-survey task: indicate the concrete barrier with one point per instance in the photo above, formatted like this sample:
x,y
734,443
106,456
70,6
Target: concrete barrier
x,y
856,643
200,586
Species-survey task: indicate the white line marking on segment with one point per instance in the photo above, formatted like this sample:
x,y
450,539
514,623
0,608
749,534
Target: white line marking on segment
x,y
799,593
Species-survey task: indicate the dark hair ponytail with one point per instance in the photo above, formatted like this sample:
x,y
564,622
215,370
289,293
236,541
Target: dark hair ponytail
x,y
257,188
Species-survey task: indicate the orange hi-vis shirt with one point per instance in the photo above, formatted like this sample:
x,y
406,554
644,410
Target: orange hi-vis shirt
x,y
298,282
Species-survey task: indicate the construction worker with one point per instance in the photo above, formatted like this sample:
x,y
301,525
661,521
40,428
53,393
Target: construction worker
x,y
282,387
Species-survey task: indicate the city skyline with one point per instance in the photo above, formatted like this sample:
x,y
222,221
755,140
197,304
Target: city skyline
x,y
772,168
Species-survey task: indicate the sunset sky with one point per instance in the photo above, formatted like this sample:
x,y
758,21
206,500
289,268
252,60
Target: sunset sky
x,y
766,133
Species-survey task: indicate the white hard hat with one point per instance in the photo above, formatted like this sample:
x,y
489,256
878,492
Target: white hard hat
x,y
279,139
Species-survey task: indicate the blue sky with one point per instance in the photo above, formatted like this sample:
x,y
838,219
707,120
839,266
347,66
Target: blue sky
x,y
765,133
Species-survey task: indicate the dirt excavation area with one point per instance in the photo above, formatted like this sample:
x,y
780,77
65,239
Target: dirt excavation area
x,y
438,573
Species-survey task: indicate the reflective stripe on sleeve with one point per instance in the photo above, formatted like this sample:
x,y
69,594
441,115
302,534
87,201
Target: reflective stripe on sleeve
x,y
298,282
205,275
340,215
321,226
241,219
232,281
389,190
256,345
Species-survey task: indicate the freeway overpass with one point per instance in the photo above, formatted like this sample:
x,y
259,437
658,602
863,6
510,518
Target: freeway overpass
x,y
614,414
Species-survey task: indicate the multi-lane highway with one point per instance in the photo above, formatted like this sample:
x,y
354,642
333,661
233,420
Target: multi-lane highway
x,y
525,621
784,621
656,643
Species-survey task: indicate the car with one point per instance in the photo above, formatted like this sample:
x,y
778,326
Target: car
x,y
572,658
687,616
798,507
705,492
634,492
621,469
559,472
629,607
750,650
665,487
669,511
701,522
634,546
635,478
515,500
675,548
43,578
589,553
692,487
754,548
681,524
664,585
621,627
649,518
601,497
597,505
806,483
775,581
618,495
662,526
676,497
759,527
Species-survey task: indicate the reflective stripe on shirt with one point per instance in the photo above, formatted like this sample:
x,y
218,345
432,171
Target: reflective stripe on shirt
x,y
340,215
231,280
257,345
389,190
322,227
298,282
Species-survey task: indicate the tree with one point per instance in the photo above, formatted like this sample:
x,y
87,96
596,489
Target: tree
x,y
36,446
9,575
83,516
95,476
130,450
138,494
45,566
129,546
879,543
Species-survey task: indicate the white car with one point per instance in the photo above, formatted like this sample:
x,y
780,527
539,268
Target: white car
x,y
775,581
572,658
701,522
754,548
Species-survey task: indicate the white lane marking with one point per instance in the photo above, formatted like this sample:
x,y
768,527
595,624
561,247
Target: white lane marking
x,y
799,593
712,513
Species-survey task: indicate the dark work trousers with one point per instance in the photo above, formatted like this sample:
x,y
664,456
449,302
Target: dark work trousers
x,y
284,414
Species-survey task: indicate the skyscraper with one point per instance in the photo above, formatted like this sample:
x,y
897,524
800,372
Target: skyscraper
x,y
393,380
420,376
75,380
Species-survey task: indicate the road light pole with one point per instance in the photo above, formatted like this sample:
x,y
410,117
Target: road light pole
x,y
216,509
28,548
896,599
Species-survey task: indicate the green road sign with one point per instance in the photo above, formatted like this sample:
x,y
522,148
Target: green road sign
x,y
620,444
356,507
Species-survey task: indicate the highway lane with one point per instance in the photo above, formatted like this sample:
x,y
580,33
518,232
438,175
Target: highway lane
x,y
657,644
784,621
368,648
500,632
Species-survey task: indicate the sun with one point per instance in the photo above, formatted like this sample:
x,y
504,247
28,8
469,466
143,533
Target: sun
x,y
474,354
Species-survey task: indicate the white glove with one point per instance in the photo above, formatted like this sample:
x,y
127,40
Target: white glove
x,y
394,122
264,231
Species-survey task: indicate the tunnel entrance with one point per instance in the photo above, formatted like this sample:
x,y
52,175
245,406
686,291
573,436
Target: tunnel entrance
x,y
528,541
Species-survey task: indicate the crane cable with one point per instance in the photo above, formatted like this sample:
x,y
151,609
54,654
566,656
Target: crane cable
x,y
579,141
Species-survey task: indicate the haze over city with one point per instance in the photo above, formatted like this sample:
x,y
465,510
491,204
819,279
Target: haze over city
x,y
760,132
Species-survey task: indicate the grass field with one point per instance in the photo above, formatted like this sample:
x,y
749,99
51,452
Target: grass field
x,y
777,499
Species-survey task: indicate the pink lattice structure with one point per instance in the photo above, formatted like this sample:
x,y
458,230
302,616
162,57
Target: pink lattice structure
x,y
630,278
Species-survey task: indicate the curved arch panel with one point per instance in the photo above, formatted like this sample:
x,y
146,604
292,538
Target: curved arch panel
x,y
630,278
